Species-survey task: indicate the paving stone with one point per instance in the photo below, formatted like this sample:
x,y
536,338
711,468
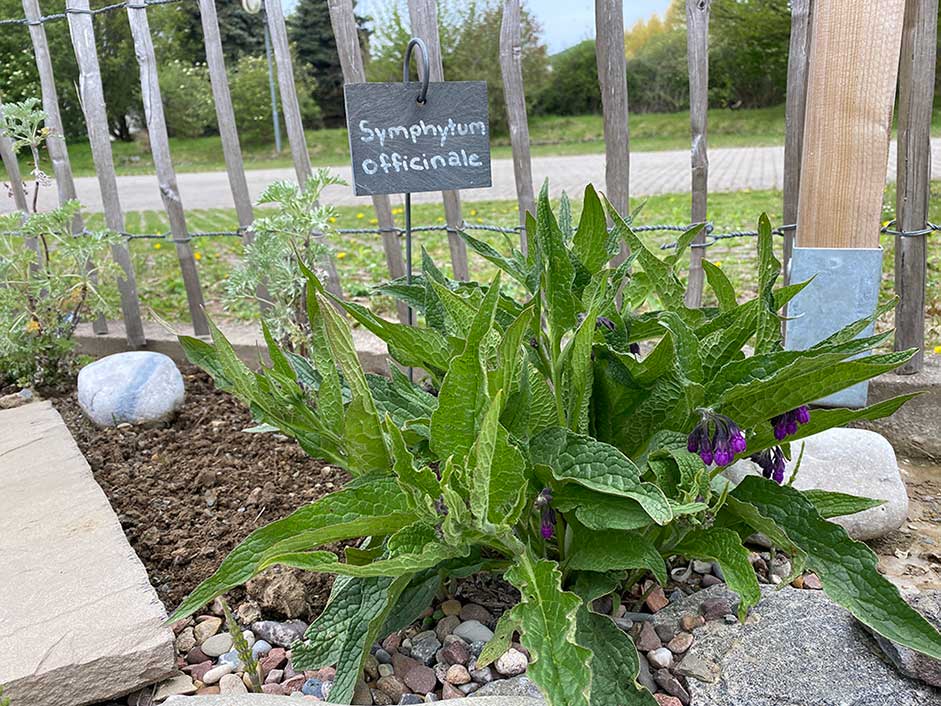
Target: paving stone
x,y
95,630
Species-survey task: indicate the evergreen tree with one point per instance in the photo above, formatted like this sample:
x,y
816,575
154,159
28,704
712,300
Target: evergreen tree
x,y
311,33
242,33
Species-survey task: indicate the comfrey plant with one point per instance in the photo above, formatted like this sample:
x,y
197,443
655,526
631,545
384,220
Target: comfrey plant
x,y
269,271
552,452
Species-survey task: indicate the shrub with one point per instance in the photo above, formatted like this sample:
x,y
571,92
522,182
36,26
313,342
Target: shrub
x,y
270,270
251,99
187,98
555,453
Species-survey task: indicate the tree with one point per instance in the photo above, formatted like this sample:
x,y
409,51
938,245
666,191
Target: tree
x,y
242,33
573,89
311,32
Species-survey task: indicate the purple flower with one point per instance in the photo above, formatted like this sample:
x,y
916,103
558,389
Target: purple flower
x,y
772,463
547,521
634,349
604,321
717,439
785,425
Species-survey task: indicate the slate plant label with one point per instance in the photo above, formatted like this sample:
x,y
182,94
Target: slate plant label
x,y
399,145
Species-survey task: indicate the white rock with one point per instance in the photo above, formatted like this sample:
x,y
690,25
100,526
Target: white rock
x,y
216,673
660,658
511,663
217,645
854,461
232,684
180,684
138,387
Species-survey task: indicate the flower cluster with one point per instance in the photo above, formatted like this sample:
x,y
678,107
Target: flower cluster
x,y
716,439
547,521
772,463
785,425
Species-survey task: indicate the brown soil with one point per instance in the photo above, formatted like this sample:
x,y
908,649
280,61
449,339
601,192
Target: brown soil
x,y
187,493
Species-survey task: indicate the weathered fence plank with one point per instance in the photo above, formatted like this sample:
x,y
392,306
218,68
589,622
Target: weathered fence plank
x,y
12,166
351,62
697,43
915,97
423,16
166,175
514,94
55,141
798,59
291,109
92,97
612,77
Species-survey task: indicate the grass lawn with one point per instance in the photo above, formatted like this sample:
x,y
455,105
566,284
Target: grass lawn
x,y
550,135
361,261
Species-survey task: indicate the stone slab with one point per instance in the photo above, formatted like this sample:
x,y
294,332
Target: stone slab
x,y
79,620
270,700
247,340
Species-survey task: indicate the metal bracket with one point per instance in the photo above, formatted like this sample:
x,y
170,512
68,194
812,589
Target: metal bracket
x,y
845,288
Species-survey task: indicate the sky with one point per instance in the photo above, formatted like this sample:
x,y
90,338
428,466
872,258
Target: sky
x,y
564,22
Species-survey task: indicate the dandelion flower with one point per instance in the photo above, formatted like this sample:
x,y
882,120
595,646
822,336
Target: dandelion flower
x,y
360,215
341,255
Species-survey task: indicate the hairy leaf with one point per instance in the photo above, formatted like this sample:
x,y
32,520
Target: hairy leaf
x,y
500,642
830,504
614,662
725,547
611,551
721,285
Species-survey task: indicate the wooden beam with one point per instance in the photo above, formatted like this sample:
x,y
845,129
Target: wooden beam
x,y
854,61
697,43
351,61
92,97
916,94
514,94
423,16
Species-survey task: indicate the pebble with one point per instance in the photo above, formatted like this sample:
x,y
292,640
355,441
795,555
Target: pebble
x,y
812,582
697,668
451,692
195,656
666,631
179,685
421,679
667,700
671,685
249,637
185,641
647,640
472,611
702,567
511,663
441,671
468,688
208,691
232,657
660,658
385,670
279,634
690,622
710,580
656,600
260,649
446,626
714,608
481,676
392,687
381,698
361,693
313,687
473,631
198,671
207,628
679,644
403,664
451,607
477,647
217,645
644,675
274,676
392,642
424,647
232,684
275,659
293,683
216,673
411,699
383,656
457,674
273,689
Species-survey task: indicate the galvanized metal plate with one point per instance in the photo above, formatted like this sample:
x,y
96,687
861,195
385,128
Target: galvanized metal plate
x,y
399,145
845,288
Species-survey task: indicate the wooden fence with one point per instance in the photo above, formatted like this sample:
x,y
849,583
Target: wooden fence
x,y
915,91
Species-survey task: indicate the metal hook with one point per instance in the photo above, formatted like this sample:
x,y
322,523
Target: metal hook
x,y
425,67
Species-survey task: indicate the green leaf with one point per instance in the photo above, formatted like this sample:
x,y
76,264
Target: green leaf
x,y
591,238
598,466
203,355
500,642
768,335
512,266
349,624
558,273
547,620
458,311
367,506
421,485
614,662
847,569
830,504
578,374
599,511
612,551
725,547
412,602
362,435
592,585
721,285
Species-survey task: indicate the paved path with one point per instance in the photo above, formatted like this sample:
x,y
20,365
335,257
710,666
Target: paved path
x,y
730,169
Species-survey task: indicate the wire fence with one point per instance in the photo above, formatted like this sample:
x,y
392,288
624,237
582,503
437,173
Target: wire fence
x,y
43,19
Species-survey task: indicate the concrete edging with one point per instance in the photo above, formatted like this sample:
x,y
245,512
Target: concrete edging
x,y
270,700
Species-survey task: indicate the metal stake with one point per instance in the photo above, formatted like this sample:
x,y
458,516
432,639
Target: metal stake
x,y
271,88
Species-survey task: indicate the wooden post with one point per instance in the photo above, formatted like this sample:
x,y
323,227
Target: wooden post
x,y
612,77
423,16
166,175
850,91
92,99
916,93
511,68
697,43
55,141
10,163
351,61
798,59
291,110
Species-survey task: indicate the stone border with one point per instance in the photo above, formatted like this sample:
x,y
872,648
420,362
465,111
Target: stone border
x,y
915,430
267,700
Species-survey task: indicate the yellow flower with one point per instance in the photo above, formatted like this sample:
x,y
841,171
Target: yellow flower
x,y
360,215
480,220
718,263
937,349
473,212
332,219
156,246
373,221
439,219
341,255
197,256
32,326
